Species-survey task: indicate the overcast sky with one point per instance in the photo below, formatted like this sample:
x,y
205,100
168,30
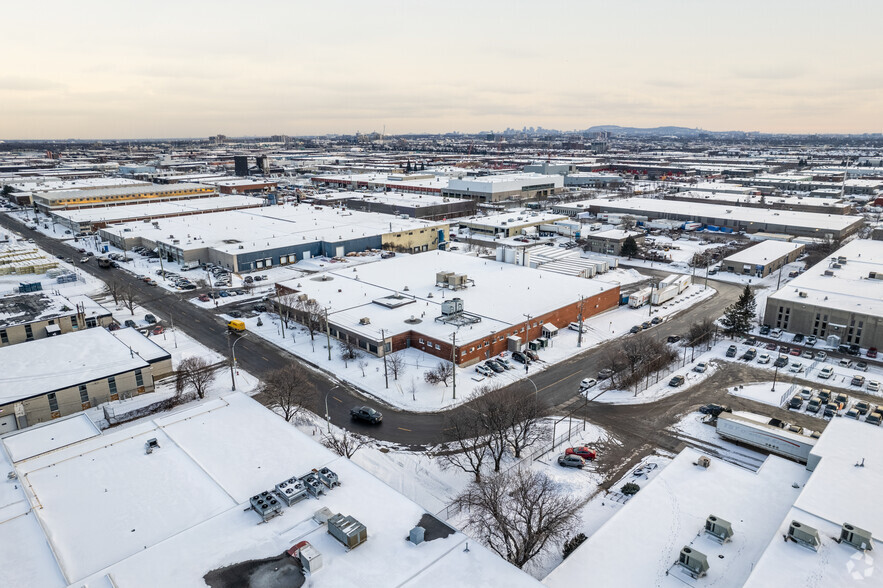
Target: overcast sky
x,y
101,69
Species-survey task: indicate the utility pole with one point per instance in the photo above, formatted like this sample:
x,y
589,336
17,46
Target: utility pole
x,y
527,332
454,363
579,337
779,283
706,277
650,306
383,348
327,334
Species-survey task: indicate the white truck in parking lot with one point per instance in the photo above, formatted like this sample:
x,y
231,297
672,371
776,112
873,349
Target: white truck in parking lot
x,y
755,430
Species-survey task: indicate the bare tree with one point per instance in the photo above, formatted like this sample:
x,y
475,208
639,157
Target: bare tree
x,y
113,287
285,303
490,403
348,351
517,513
362,365
346,444
311,314
129,298
396,364
700,332
443,372
289,390
194,372
465,447
525,426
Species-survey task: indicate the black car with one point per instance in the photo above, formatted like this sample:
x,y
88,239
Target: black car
x,y
780,362
235,314
854,350
533,355
673,338
150,318
798,338
520,357
366,414
130,323
495,366
765,330
713,409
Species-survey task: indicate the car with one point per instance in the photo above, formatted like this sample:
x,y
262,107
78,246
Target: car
x,y
635,329
582,451
821,356
829,411
781,361
587,383
520,357
260,308
811,340
847,363
645,469
223,294
824,394
188,287
798,338
770,346
248,279
796,367
776,333
713,409
750,354
764,358
861,366
872,352
854,349
84,260
673,338
113,327
731,351
605,373
576,327
852,414
494,366
571,461
826,372
235,313
257,278
700,367
805,393
484,370
794,351
130,323
815,404
857,381
646,325
841,399
750,341
366,414
783,349
862,407
796,402
533,355
677,381
806,354
150,318
264,277
158,330
875,418
765,330
873,386
656,320
204,298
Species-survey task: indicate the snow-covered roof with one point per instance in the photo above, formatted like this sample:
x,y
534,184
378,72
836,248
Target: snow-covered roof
x,y
89,307
504,182
764,252
20,309
103,509
640,544
133,191
758,201
513,218
141,345
54,363
849,288
112,214
612,235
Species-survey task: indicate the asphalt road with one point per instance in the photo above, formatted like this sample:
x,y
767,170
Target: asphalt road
x,y
557,386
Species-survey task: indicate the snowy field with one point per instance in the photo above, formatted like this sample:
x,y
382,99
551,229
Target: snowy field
x,y
411,392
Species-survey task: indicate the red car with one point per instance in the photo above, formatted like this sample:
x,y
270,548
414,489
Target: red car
x,y
872,352
204,298
583,452
158,330
771,346
794,351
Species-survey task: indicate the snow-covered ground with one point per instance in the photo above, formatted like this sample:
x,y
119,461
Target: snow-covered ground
x,y
411,392
659,387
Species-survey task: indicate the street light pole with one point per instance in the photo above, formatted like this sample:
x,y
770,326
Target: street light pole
x,y
233,358
775,377
328,418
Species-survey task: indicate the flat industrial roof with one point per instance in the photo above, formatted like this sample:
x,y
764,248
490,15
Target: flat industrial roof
x,y
513,218
123,191
754,199
764,252
849,288
42,305
112,214
54,363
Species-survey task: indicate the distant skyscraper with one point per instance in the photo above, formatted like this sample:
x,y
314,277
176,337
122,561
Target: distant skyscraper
x,y
240,163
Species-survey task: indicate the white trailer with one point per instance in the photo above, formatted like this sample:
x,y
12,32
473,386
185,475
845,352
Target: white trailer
x,y
753,429
683,282
639,298
664,295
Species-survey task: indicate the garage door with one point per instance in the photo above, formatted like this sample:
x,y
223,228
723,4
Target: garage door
x,y
7,423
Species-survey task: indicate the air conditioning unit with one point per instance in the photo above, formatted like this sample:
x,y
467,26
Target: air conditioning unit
x,y
717,527
829,272
804,535
703,462
803,294
693,561
858,538
365,320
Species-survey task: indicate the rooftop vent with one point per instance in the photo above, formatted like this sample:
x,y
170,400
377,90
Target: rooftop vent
x,y
803,294
703,462
693,561
365,320
829,272
804,535
858,538
717,527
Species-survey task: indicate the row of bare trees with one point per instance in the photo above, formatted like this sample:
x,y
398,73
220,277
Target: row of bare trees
x,y
635,358
496,421
122,294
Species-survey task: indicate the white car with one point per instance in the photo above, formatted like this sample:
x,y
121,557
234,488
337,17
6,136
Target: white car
x,y
826,372
821,356
764,358
587,383
873,386
484,371
776,333
806,393
796,367
575,327
700,367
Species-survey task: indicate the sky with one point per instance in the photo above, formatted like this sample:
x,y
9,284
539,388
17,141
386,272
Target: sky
x,y
101,69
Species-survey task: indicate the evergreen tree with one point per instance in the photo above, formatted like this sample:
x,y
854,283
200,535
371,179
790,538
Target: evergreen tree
x,y
629,247
739,317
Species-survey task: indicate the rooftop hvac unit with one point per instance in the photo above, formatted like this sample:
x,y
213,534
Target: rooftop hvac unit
x,y
829,272
328,478
365,320
266,504
693,561
309,556
836,265
322,515
717,527
703,462
803,294
457,280
858,538
347,530
442,277
841,259
314,486
804,535
291,490
417,535
452,306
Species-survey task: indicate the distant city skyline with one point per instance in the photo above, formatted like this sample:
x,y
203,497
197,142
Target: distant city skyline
x,y
185,69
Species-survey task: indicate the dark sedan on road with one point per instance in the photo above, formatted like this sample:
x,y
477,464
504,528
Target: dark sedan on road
x,y
366,414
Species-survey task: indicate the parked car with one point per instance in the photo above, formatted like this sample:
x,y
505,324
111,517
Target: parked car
x,y
794,351
847,363
676,381
605,373
872,352
783,349
776,333
826,372
781,361
582,451
646,325
130,323
484,370
520,357
796,402
588,383
150,318
770,346
825,394
861,366
636,329
731,351
806,354
248,279
223,294
494,366
533,355
829,412
504,362
765,330
656,320
798,338
235,313
852,414
796,367
854,349
811,340
645,469
873,386
571,461
700,367
576,327
750,354
204,298
366,414
158,330
857,381
806,393
875,418
862,407
764,358
713,409
814,405
673,338
821,356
